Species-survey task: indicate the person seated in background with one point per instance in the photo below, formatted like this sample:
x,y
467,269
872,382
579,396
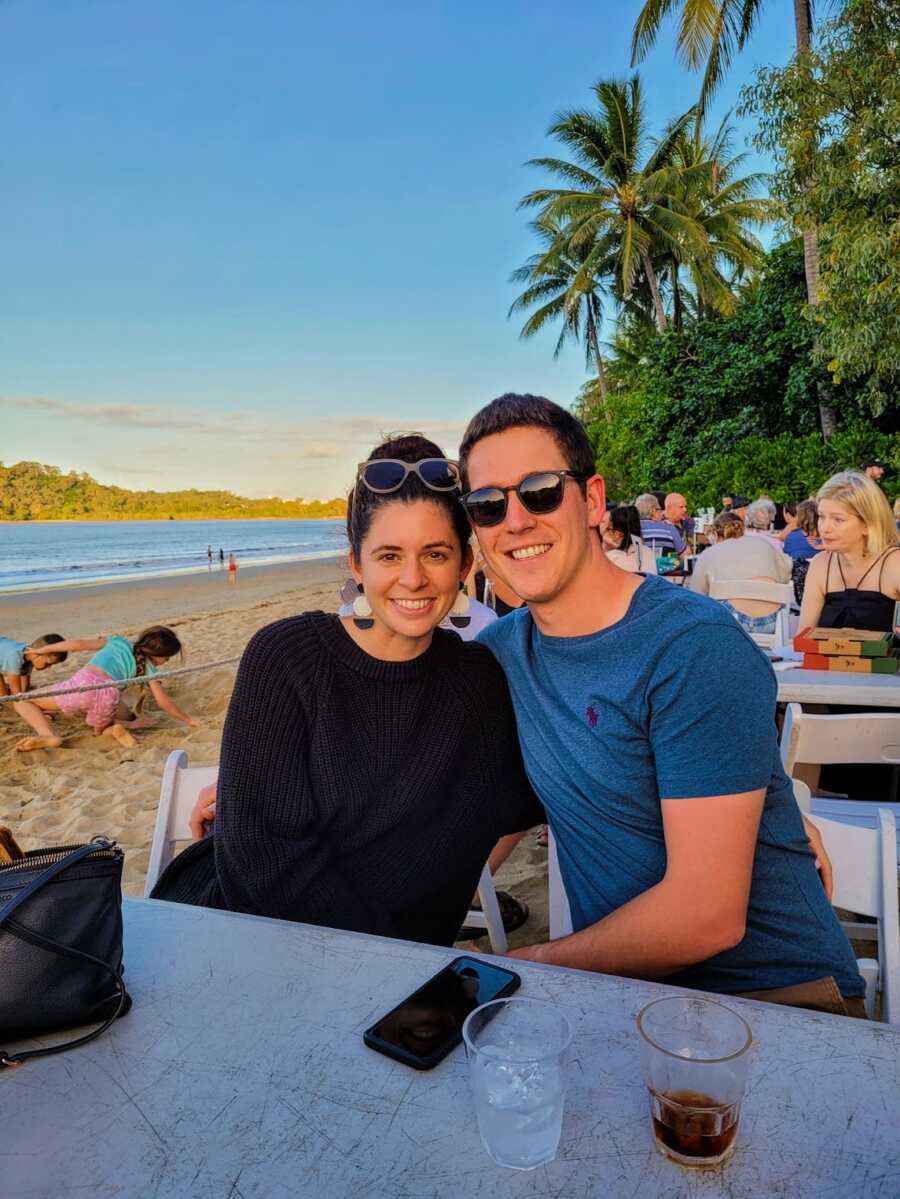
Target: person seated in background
x,y
623,545
739,506
801,541
675,511
660,536
18,659
855,583
736,556
873,468
758,522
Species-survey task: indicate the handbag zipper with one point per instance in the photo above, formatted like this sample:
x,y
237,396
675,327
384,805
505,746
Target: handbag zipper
x,y
41,858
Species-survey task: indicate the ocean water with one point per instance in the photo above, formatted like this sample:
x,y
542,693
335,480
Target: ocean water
x,y
35,555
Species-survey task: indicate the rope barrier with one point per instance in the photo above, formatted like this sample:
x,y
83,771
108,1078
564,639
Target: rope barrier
x,y
120,684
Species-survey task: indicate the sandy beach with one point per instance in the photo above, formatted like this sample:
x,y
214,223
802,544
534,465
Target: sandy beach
x,y
91,786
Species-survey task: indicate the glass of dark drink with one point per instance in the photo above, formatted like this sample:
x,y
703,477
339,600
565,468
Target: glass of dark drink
x,y
694,1055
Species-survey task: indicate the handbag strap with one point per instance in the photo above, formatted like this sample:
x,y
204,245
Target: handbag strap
x,y
24,934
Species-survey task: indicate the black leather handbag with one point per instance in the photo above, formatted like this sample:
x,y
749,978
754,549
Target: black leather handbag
x,y
61,944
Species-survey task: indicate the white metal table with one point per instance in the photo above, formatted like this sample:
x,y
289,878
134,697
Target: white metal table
x,y
241,1073
838,687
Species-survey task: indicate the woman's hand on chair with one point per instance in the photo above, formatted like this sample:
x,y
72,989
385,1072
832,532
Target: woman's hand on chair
x,y
204,812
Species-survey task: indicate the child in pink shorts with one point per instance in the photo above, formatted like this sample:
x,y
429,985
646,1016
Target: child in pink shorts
x,y
115,660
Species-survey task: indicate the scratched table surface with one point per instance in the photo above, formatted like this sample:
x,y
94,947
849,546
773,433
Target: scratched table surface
x,y
838,687
241,1072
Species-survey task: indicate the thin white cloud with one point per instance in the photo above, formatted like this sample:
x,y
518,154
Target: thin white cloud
x,y
339,433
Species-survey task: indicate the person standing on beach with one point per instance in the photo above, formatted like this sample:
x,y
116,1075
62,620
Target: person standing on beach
x,y
221,558
232,568
681,846
209,556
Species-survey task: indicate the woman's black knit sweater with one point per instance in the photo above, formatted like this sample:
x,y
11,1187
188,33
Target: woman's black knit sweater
x,y
357,793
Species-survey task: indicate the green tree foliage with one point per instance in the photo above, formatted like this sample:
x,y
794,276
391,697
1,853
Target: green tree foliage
x,y
559,289
845,181
737,385
620,199
32,491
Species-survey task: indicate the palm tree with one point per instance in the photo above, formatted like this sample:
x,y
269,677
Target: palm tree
x,y
722,202
713,30
615,207
560,286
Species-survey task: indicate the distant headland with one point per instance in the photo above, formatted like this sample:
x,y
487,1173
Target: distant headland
x,y
34,491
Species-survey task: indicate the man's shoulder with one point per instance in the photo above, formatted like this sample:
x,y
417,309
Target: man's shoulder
x,y
501,635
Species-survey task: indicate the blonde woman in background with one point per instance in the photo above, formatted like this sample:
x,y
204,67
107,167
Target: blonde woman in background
x,y
855,581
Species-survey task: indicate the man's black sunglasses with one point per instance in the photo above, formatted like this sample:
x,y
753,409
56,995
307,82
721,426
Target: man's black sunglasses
x,y
540,493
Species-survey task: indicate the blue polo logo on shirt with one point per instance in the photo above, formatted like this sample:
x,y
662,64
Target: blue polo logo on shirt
x,y
592,717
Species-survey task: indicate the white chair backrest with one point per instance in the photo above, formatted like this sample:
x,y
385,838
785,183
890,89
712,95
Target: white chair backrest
x,y
177,795
560,918
865,882
756,589
870,737
803,796
752,589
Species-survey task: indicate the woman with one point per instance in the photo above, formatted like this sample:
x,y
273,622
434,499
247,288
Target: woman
x,y
801,543
855,582
736,557
369,763
623,544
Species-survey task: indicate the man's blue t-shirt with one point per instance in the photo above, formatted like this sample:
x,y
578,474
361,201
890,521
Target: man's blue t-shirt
x,y
673,701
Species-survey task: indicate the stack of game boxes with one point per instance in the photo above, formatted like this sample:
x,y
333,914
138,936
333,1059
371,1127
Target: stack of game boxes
x,y
862,651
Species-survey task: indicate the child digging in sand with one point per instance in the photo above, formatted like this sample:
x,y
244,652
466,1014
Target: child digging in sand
x,y
116,659
18,659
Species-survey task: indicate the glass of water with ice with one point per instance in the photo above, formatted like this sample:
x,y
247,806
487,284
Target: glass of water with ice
x,y
518,1051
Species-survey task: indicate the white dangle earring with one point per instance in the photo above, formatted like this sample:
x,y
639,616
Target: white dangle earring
x,y
362,611
459,613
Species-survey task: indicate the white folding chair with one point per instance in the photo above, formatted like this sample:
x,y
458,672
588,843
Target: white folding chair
x,y
178,793
181,784
756,589
849,738
560,913
865,882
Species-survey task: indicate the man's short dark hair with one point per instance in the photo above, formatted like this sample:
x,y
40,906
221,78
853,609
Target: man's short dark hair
x,y
513,411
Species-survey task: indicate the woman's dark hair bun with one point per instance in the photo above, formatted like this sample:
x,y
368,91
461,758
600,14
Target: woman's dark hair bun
x,y
362,504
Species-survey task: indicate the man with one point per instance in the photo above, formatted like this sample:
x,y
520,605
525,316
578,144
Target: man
x,y
873,468
681,846
676,514
739,506
662,537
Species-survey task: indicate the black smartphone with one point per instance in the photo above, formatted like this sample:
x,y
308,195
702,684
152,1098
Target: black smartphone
x,y
423,1029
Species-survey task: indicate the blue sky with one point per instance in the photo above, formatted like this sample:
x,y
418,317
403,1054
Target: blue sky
x,y
240,240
